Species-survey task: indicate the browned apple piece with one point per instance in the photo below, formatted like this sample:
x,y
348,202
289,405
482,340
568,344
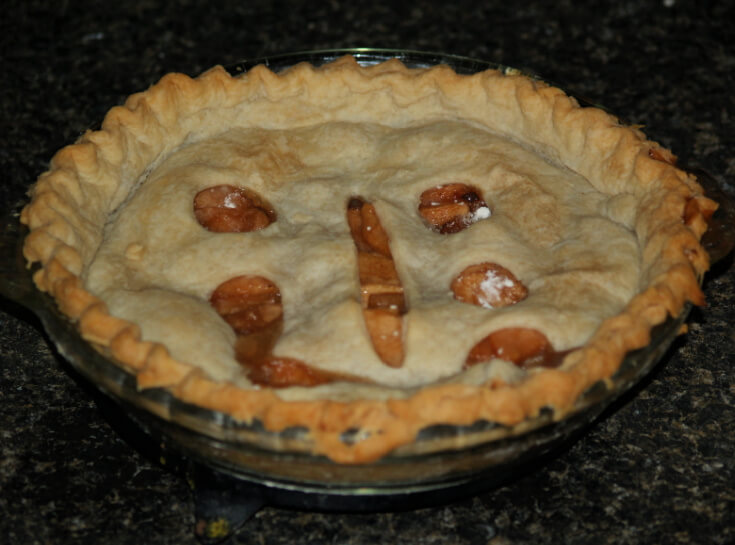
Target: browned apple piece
x,y
230,209
251,305
385,327
450,208
384,296
252,348
488,285
444,214
454,192
367,231
381,292
248,303
525,347
376,269
284,372
662,154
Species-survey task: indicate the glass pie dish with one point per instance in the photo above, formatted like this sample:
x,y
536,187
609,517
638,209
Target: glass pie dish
x,y
442,457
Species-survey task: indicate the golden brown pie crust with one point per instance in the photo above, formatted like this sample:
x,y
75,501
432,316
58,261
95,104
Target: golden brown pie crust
x,y
89,180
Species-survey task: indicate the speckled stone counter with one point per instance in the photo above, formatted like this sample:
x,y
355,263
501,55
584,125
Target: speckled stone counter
x,y
658,467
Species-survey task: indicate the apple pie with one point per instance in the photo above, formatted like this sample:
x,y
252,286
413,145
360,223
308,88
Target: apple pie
x,y
376,249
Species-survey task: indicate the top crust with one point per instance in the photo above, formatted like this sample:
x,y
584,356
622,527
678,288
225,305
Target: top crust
x,y
593,183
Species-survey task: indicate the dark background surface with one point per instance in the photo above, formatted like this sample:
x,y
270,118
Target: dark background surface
x,y
657,468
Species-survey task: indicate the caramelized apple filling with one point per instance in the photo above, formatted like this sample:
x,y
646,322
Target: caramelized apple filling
x,y
453,207
230,209
488,285
661,154
251,305
284,372
525,347
381,292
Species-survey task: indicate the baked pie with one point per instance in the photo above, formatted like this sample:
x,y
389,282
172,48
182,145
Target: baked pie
x,y
367,249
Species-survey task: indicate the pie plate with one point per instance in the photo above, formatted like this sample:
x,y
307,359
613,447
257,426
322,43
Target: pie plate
x,y
442,457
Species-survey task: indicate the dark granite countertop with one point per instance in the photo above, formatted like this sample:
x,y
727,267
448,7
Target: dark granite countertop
x,y
657,468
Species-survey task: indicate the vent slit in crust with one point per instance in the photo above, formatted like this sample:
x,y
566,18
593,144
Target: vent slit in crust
x,y
381,291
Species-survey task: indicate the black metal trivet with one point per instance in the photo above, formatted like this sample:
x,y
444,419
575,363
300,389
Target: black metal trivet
x,y
223,503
